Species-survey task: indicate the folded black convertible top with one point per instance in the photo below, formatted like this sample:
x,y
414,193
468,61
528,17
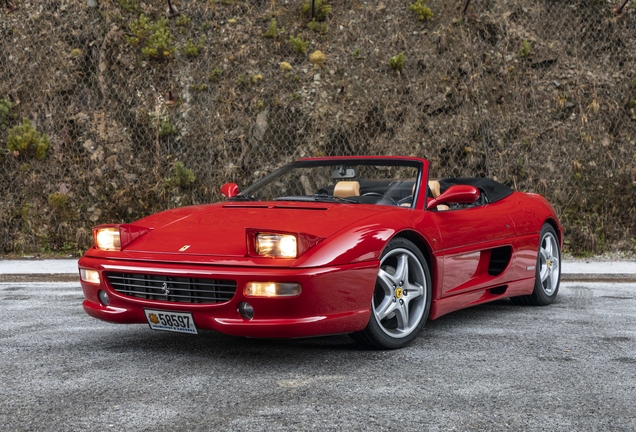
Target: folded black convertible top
x,y
493,190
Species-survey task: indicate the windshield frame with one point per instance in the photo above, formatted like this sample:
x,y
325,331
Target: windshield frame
x,y
420,164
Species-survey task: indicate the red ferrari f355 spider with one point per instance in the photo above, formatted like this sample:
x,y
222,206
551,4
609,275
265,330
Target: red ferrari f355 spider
x,y
369,246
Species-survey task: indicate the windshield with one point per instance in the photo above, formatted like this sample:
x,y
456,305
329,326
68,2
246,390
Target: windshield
x,y
382,182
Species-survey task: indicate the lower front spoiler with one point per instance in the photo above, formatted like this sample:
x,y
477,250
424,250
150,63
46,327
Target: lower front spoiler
x,y
257,328
333,300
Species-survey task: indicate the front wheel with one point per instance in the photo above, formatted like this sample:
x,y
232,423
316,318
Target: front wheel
x,y
401,300
548,271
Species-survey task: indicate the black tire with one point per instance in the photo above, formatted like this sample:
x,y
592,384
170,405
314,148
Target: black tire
x,y
547,271
397,315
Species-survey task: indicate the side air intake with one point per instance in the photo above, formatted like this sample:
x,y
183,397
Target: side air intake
x,y
499,260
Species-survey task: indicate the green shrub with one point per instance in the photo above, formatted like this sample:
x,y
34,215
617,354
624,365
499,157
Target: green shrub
x,y
154,37
58,201
272,31
129,5
299,45
166,128
180,176
191,50
216,73
525,49
26,140
183,21
318,27
423,12
141,29
322,9
5,113
397,63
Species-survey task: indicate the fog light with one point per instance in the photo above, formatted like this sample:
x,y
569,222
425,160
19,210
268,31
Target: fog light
x,y
246,310
90,276
103,297
272,289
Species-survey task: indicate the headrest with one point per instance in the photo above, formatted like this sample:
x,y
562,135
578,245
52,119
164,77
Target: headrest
x,y
345,189
433,185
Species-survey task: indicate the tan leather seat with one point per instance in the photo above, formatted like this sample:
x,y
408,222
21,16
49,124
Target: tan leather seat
x,y
345,189
434,186
410,203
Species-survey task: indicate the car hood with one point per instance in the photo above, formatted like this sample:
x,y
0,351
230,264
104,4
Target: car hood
x,y
220,229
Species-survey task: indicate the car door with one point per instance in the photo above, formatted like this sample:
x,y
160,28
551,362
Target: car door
x,y
468,237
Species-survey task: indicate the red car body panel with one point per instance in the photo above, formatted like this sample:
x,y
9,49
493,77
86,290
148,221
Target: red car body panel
x,y
337,274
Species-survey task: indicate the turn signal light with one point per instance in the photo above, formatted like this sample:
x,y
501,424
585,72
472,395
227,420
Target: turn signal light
x,y
90,276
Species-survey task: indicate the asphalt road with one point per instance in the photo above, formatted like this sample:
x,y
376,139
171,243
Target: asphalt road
x,y
570,366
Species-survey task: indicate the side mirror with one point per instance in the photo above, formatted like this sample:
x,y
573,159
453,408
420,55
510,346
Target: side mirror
x,y
229,190
458,194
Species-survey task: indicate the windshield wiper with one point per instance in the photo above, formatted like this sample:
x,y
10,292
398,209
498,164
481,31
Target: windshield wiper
x,y
332,198
316,198
243,198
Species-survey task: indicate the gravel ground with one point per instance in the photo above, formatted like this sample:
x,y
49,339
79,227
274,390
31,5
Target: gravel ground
x,y
569,366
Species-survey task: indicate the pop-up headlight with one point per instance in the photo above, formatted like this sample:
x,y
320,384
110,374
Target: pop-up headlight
x,y
273,244
276,245
116,237
107,238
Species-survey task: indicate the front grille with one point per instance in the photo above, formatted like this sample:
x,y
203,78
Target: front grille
x,y
174,289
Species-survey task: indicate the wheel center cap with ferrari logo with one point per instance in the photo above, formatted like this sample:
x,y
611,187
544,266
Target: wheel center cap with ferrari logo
x,y
548,263
398,293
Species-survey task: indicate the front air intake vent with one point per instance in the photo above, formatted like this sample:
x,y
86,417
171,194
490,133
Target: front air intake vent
x,y
172,289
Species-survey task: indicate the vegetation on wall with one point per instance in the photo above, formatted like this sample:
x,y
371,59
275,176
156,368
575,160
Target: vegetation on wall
x,y
540,95
25,140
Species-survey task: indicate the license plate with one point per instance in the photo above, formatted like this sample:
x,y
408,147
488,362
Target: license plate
x,y
170,321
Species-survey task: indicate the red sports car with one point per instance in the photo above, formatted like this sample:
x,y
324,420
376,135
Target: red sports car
x,y
369,246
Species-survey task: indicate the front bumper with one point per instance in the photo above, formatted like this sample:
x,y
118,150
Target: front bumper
x,y
333,300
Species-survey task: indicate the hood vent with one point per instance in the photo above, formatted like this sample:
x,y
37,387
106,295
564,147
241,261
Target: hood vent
x,y
263,206
298,208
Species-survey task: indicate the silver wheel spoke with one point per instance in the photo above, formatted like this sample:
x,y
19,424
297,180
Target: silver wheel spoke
x,y
386,307
402,270
555,262
402,315
413,291
548,247
387,281
548,282
548,263
401,292
544,272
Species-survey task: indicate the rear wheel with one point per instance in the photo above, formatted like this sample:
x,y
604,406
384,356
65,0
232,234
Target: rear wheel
x,y
401,300
548,271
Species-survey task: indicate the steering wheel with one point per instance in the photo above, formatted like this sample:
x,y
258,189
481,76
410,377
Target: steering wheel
x,y
387,200
405,200
372,194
